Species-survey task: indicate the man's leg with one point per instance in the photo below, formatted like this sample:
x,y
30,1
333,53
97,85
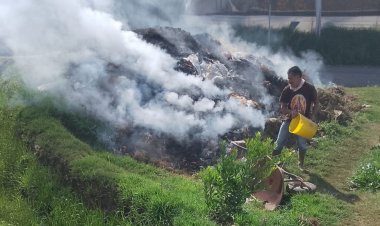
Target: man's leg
x,y
302,147
282,138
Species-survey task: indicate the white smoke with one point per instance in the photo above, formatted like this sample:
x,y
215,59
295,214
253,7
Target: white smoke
x,y
310,62
65,48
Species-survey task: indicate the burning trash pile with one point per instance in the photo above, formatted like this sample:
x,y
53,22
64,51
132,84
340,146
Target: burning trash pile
x,y
249,81
167,96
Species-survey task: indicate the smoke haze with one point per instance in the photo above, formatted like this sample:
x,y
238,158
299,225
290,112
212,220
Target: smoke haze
x,y
66,48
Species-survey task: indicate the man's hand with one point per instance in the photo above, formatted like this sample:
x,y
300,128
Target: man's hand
x,y
314,111
294,113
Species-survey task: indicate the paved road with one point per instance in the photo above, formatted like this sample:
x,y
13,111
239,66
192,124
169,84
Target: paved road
x,y
351,76
305,23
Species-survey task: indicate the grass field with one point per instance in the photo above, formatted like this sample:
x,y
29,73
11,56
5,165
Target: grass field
x,y
50,177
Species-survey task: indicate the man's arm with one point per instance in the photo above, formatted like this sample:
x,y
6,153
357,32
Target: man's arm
x,y
284,108
286,111
315,110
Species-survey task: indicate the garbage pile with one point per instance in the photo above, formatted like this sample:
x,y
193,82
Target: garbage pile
x,y
249,78
337,105
204,56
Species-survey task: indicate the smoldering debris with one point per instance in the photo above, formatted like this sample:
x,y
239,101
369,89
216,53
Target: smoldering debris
x,y
205,57
249,84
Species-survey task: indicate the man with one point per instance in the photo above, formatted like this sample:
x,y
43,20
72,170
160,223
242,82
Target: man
x,y
297,97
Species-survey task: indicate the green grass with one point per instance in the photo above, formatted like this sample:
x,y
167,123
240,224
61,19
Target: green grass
x,y
76,185
31,194
339,154
15,210
368,174
144,194
299,209
369,96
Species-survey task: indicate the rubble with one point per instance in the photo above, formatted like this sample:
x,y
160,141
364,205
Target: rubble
x,y
247,102
336,105
203,56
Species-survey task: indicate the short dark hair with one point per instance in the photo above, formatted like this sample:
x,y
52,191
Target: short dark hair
x,y
295,70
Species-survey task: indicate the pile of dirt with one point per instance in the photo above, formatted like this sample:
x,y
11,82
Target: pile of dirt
x,y
337,105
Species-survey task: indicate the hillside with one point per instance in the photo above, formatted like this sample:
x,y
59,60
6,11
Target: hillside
x,y
49,176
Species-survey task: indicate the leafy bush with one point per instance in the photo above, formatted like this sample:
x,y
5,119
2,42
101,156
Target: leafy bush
x,y
230,182
333,129
368,174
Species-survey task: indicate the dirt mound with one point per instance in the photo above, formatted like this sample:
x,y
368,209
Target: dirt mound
x,y
336,104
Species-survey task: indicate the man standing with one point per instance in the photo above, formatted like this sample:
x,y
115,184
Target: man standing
x,y
297,97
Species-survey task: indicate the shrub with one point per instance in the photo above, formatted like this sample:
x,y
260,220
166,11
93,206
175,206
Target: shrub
x,y
230,182
368,174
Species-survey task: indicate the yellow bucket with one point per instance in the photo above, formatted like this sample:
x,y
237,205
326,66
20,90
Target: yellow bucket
x,y
302,126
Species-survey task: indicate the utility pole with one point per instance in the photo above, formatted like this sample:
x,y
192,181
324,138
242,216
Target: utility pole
x,y
318,15
269,19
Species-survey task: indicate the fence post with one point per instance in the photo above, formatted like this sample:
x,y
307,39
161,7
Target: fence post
x,y
318,15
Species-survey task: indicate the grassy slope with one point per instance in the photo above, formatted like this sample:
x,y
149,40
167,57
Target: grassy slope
x,y
152,196
335,160
31,194
367,208
149,196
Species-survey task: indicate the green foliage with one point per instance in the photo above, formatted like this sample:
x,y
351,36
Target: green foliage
x,y
14,210
333,130
30,194
229,183
137,192
369,96
225,190
337,46
368,174
82,125
35,195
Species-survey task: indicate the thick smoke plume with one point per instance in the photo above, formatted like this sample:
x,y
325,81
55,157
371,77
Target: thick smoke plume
x,y
89,54
66,48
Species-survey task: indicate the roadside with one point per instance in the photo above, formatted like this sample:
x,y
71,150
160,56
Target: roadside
x,y
351,76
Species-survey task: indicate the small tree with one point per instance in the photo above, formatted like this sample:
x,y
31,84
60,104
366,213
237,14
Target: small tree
x,y
232,180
